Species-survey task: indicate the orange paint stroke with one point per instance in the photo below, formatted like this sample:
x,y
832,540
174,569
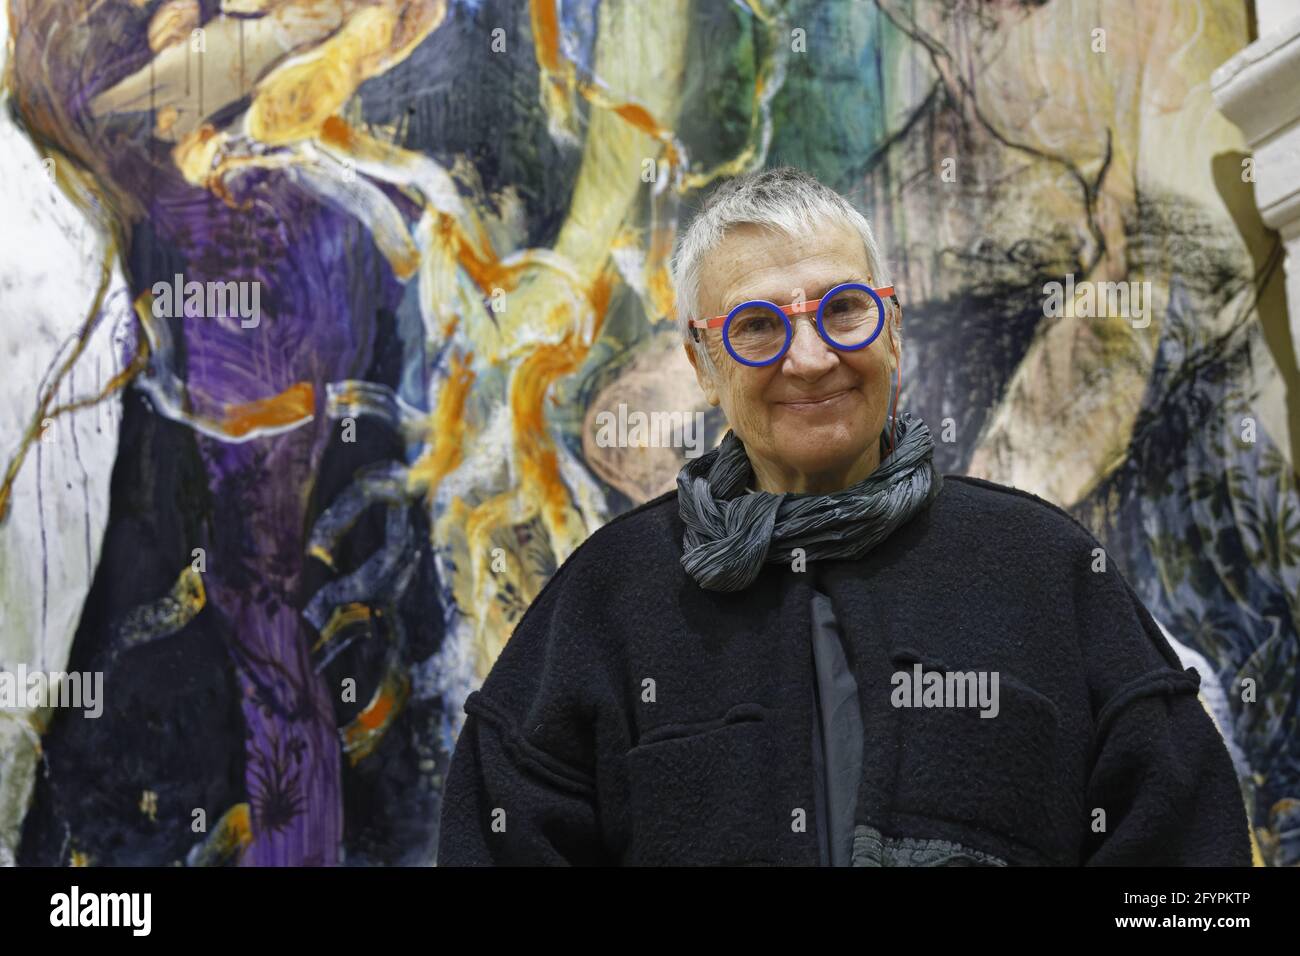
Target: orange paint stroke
x,y
294,405
363,733
538,464
546,35
447,426
484,268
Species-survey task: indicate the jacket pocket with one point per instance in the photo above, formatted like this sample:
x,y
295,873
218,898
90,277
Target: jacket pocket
x,y
740,713
993,773
702,794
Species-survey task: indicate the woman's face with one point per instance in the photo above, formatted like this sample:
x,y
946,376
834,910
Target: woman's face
x,y
797,445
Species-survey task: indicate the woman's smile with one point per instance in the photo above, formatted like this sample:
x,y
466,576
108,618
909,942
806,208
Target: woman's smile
x,y
817,404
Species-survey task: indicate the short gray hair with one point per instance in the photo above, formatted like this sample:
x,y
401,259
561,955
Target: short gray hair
x,y
784,198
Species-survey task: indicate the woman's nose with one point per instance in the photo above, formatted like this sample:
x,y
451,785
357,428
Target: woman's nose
x,y
807,348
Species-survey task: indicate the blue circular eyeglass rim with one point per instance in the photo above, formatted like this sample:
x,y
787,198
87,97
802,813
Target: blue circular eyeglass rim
x,y
821,325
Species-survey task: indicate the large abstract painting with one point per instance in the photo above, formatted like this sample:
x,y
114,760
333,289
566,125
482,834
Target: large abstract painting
x,y
315,315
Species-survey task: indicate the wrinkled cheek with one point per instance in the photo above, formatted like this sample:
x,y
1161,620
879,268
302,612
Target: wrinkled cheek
x,y
747,411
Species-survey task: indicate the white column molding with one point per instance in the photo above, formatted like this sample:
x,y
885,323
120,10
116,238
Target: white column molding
x,y
1259,91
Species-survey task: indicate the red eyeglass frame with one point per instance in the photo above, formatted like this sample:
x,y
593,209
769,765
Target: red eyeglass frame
x,y
794,308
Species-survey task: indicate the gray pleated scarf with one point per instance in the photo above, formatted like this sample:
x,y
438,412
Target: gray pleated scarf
x,y
730,535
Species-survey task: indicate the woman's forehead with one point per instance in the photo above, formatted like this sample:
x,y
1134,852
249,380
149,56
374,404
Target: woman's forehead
x,y
758,264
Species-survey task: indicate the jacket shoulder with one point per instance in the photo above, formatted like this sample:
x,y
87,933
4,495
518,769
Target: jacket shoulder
x,y
1013,511
1059,552
642,531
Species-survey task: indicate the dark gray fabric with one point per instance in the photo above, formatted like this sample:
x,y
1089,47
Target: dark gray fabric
x,y
839,728
731,535
836,735
821,813
873,848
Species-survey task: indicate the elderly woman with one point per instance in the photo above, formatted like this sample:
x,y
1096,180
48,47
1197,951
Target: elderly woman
x,y
819,651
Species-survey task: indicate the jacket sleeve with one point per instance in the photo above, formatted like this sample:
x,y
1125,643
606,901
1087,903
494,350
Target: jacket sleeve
x,y
507,803
520,789
1166,785
1160,772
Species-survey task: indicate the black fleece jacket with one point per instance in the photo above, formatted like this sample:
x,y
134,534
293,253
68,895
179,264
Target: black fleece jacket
x,y
636,718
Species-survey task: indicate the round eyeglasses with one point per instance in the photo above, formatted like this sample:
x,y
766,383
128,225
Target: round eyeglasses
x,y
758,332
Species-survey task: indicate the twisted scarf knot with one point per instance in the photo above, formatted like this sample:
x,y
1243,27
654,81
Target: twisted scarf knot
x,y
730,535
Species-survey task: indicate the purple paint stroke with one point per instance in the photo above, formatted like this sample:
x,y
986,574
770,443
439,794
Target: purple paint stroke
x,y
322,282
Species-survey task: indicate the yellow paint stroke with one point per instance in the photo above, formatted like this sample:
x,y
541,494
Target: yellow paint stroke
x,y
558,79
195,153
228,839
343,617
475,257
451,238
321,555
561,80
364,732
148,805
172,23
235,827
467,531
539,473
169,613
541,489
294,100
657,271
294,405
498,511
444,452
